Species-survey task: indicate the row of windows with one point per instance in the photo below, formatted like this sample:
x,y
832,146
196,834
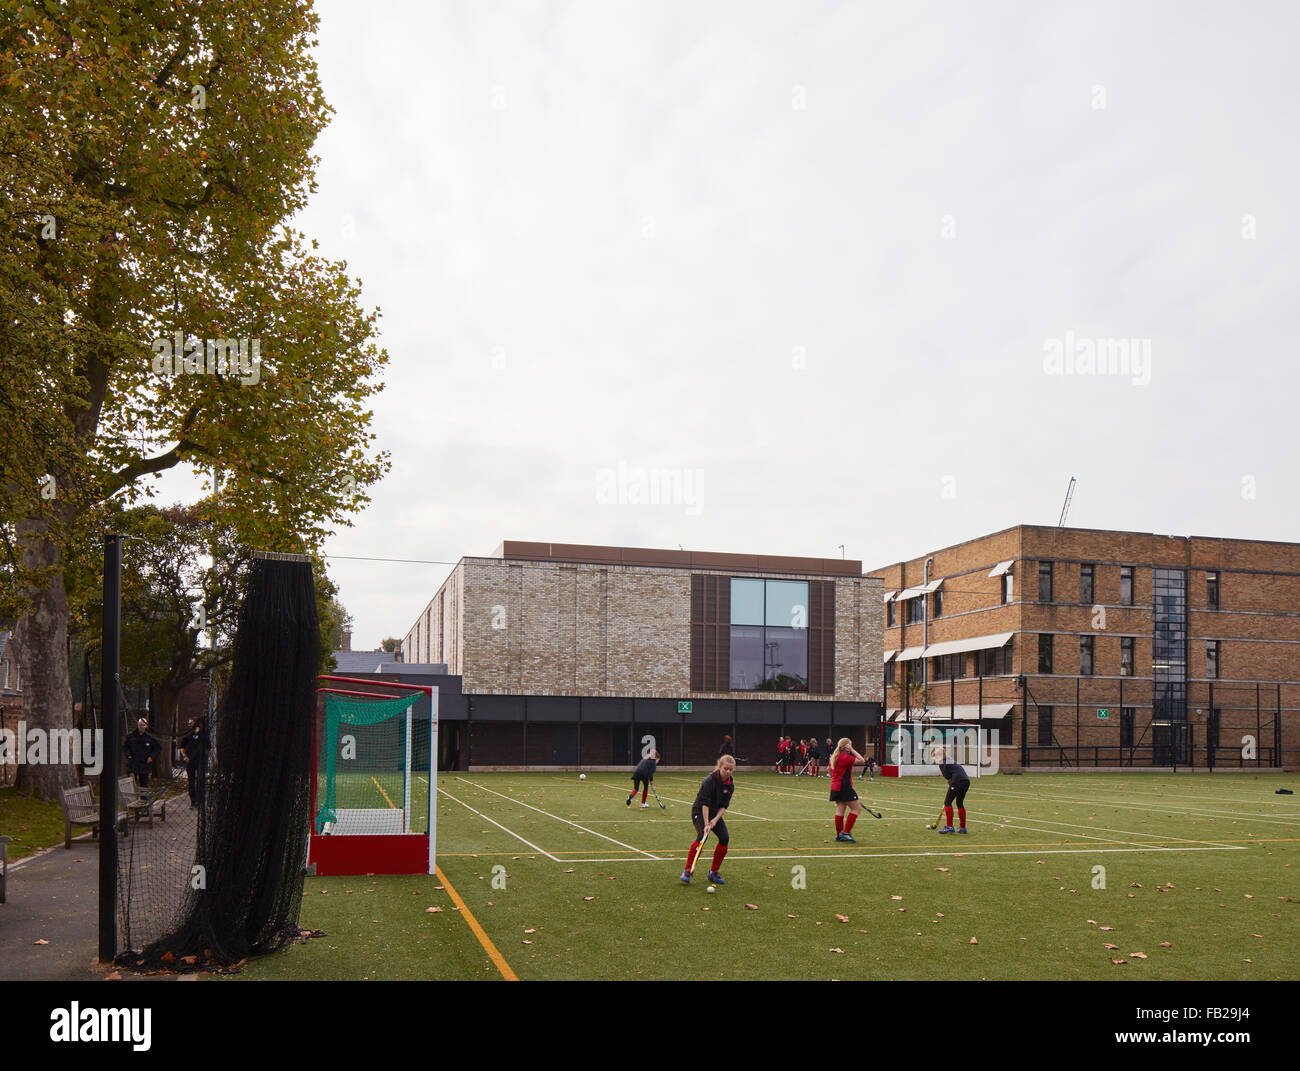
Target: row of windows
x,y
1046,647
1088,585
991,663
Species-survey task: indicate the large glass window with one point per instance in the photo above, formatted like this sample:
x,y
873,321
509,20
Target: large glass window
x,y
1211,591
1126,585
1085,656
916,610
1086,574
1212,659
995,662
890,620
1126,656
769,635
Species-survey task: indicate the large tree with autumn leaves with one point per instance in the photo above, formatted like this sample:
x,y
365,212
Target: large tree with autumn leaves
x,y
151,156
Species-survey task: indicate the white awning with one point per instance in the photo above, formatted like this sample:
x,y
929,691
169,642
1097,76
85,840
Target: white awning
x,y
889,655
962,712
889,595
920,589
909,653
1002,567
975,643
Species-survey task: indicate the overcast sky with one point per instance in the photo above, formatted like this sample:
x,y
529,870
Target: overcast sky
x,y
833,268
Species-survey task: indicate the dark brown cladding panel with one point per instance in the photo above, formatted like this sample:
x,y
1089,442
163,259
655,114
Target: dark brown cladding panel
x,y
710,633
515,550
821,637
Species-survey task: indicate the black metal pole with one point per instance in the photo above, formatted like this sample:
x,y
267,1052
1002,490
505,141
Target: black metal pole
x,y
109,667
1258,726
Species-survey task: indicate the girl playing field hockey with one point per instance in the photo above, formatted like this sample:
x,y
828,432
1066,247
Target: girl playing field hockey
x,y
958,783
711,803
842,794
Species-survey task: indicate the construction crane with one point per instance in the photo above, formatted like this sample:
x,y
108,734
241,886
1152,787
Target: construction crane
x,y
1069,494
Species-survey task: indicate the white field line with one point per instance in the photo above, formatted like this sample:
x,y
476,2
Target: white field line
x,y
548,814
690,802
1018,822
736,858
1184,808
498,825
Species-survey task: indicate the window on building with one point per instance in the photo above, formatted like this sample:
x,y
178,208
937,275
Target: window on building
x,y
937,609
1085,656
1212,659
995,662
890,616
1127,716
950,667
1126,585
916,610
889,672
1006,588
1126,656
1212,591
1086,574
769,635
1045,652
1045,726
1044,581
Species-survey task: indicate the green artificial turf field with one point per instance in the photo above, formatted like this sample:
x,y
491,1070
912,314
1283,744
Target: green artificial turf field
x,y
566,882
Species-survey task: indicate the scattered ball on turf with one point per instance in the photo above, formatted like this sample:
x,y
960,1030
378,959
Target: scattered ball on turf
x,y
712,888
582,777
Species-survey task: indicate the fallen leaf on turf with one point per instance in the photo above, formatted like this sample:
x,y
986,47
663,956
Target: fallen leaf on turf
x,y
1249,896
348,891
589,898
1169,884
116,976
895,897
1038,862
1092,922
41,941
527,942
843,918
1165,944
531,929
432,910
1117,962
1107,928
569,871
751,907
862,931
1256,935
169,957
1138,955
792,916
942,869
1132,896
939,914
189,961
974,940
1247,961
1136,885
1111,948
835,950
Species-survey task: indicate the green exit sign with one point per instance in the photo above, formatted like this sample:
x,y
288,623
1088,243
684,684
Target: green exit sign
x,y
684,708
1103,712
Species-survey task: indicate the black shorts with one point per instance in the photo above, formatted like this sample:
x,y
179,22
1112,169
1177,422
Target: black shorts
x,y
956,792
843,795
719,831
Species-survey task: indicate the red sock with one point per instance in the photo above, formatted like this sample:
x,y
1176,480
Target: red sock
x,y
839,824
848,822
961,813
718,854
690,856
948,812
643,792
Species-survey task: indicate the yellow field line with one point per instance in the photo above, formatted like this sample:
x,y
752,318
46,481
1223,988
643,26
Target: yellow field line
x,y
383,793
479,932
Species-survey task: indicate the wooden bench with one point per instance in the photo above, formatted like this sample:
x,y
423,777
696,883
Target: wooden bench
x,y
4,865
140,803
81,809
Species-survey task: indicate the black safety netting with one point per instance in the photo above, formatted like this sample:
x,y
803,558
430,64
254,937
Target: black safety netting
x,y
219,879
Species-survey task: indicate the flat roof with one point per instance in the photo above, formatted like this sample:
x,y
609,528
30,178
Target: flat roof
x,y
517,550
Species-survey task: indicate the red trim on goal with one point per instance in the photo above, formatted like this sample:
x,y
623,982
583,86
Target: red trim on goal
x,y
427,689
406,853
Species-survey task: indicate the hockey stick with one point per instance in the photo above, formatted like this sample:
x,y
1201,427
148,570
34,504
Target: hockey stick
x,y
699,851
657,799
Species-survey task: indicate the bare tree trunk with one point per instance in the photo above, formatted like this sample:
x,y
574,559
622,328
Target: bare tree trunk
x,y
43,653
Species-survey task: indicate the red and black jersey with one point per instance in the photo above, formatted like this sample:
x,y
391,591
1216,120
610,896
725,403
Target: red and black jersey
x,y
715,794
842,771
